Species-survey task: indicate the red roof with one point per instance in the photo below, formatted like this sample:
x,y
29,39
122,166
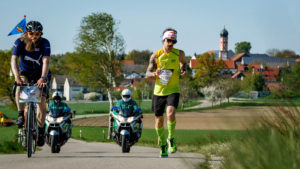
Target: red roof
x,y
236,74
268,73
230,64
238,56
128,62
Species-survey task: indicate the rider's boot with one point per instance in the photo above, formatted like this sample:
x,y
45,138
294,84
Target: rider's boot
x,y
41,137
20,120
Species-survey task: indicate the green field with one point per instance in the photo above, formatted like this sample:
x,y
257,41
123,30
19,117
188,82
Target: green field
x,y
11,114
8,142
103,107
202,141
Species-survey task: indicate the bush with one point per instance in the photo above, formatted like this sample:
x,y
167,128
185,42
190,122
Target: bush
x,y
11,147
95,98
274,143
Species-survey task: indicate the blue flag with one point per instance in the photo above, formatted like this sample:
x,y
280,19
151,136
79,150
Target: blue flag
x,y
20,28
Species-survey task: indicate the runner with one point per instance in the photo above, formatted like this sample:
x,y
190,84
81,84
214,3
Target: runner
x,y
166,65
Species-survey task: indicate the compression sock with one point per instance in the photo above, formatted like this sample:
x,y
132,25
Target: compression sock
x,y
171,128
161,135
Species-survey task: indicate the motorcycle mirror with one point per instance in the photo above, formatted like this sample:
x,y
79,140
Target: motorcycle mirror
x,y
114,108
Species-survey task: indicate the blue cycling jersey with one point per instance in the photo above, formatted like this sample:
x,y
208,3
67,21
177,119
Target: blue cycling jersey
x,y
31,61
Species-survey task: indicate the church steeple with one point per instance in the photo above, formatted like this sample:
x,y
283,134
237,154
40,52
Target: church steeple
x,y
223,52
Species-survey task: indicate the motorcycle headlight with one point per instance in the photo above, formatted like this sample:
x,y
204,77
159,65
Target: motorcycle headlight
x,y
130,119
54,120
121,118
60,119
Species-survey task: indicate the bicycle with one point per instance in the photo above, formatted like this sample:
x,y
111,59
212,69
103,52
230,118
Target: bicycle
x,y
29,94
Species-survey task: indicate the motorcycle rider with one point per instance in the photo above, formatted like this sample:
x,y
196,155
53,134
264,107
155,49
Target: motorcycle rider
x,y
34,52
127,104
57,107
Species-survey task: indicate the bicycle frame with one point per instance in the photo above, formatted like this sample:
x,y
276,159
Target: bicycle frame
x,y
30,95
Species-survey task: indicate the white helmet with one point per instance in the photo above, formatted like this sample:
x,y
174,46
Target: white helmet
x,y
57,94
126,95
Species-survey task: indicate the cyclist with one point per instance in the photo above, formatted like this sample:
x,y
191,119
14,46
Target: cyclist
x,y
166,65
34,52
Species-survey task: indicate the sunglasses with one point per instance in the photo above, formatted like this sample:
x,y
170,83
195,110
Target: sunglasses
x,y
170,40
34,33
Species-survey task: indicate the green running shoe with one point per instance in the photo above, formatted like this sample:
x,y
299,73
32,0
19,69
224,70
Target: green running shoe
x,y
163,151
172,146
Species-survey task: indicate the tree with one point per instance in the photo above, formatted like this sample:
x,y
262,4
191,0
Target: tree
x,y
208,69
98,44
139,57
258,82
187,90
292,79
228,87
242,47
6,78
57,65
254,82
211,93
286,53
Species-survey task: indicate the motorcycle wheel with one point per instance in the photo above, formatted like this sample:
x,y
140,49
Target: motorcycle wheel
x,y
125,146
54,146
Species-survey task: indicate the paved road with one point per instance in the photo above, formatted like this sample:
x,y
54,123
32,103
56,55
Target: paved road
x,y
81,155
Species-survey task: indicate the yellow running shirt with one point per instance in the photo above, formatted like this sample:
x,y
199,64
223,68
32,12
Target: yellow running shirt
x,y
168,80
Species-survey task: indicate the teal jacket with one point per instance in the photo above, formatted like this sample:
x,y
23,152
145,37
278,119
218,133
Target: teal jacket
x,y
58,109
129,107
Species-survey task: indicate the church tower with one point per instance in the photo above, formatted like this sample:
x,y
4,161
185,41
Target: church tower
x,y
223,52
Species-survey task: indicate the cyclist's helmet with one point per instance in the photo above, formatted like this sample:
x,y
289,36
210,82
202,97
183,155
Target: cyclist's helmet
x,y
34,26
126,95
57,95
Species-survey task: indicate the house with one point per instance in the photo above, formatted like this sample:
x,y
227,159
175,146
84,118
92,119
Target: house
x,y
72,89
68,86
58,82
239,64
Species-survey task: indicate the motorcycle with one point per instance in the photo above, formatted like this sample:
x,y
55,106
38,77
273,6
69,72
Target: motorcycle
x,y
126,129
58,129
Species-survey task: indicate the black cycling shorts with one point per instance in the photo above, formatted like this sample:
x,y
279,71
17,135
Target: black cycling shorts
x,y
33,78
159,103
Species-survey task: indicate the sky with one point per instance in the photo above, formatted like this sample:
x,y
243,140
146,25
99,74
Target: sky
x,y
265,24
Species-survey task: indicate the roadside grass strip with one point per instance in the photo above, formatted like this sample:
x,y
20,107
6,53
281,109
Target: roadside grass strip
x,y
214,142
8,141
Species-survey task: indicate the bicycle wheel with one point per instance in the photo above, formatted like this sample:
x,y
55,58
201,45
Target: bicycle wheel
x,y
29,129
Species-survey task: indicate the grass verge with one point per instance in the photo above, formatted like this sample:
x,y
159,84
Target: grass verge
x,y
8,142
201,141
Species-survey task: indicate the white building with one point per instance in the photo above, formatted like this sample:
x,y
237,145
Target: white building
x,y
70,88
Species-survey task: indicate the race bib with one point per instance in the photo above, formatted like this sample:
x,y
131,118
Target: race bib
x,y
165,76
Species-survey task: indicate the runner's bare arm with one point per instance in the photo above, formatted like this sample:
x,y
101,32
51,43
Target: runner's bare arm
x,y
151,70
183,64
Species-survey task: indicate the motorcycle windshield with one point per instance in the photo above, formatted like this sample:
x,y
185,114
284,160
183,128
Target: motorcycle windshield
x,y
126,113
56,113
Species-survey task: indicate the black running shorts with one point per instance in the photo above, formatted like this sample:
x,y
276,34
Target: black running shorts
x,y
159,103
